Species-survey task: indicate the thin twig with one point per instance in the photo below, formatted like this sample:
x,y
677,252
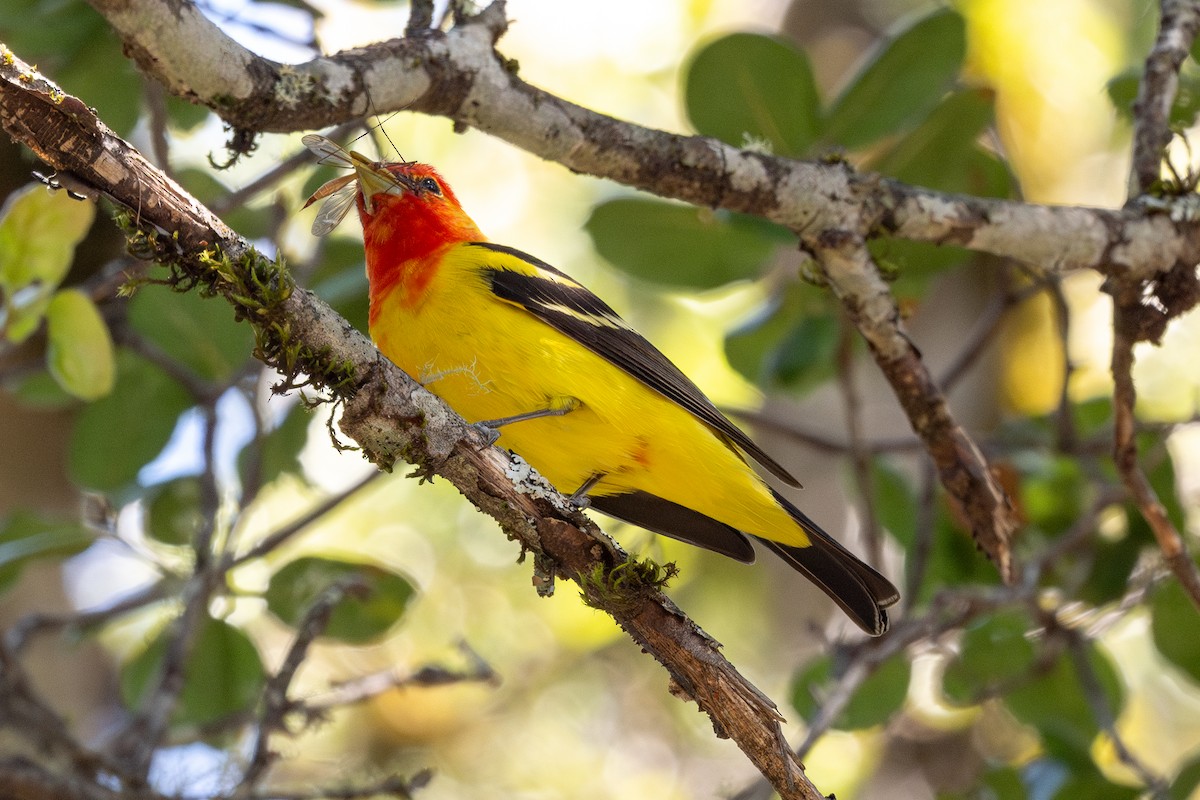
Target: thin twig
x,y
366,687
274,540
860,455
302,158
420,17
1125,455
276,704
985,329
962,469
156,104
771,423
924,532
143,733
1064,415
25,629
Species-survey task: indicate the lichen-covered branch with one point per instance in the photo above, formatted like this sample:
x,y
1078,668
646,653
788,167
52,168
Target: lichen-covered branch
x,y
389,415
459,74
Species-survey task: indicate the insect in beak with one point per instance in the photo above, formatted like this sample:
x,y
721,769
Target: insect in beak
x,y
370,177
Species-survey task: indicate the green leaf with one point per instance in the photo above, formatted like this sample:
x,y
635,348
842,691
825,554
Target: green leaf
x,y
173,512
678,245
39,229
199,332
294,588
1173,624
1055,704
1093,416
943,152
1004,783
281,447
120,433
874,702
789,342
805,357
79,350
1112,564
994,652
223,676
184,115
1162,480
1077,774
38,233
747,87
932,153
1052,491
26,536
1123,89
901,81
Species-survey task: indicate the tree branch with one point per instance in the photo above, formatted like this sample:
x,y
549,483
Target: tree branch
x,y
986,509
1156,93
459,75
392,417
1141,310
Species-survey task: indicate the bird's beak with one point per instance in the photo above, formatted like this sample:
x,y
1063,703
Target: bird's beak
x,y
374,179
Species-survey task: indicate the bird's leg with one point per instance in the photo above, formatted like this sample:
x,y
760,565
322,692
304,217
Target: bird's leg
x,y
578,498
489,427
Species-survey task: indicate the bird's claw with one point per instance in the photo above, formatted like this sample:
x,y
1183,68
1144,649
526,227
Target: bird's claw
x,y
489,434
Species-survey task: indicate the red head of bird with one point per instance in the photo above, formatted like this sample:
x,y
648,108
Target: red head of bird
x,y
409,215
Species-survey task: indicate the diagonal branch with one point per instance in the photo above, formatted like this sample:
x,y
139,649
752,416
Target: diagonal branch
x,y
961,467
394,418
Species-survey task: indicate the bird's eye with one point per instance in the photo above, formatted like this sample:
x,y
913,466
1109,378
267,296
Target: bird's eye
x,y
430,185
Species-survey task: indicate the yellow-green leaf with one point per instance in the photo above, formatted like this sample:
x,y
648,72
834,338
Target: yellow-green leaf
x,y
38,233
80,350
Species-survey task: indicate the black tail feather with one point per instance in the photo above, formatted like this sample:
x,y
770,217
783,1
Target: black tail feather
x,y
679,522
853,584
860,591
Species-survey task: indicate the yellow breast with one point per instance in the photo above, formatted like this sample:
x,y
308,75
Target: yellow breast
x,y
489,359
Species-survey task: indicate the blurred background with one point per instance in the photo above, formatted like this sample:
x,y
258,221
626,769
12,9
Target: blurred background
x,y
455,663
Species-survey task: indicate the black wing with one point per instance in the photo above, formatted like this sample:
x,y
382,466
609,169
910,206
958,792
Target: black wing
x,y
556,299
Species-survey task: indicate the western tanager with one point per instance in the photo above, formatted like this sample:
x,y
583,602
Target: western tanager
x,y
511,342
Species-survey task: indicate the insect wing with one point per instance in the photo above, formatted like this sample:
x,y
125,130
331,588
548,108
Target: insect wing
x,y
340,201
339,191
329,151
328,188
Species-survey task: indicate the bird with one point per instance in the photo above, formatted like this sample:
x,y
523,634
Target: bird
x,y
518,347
